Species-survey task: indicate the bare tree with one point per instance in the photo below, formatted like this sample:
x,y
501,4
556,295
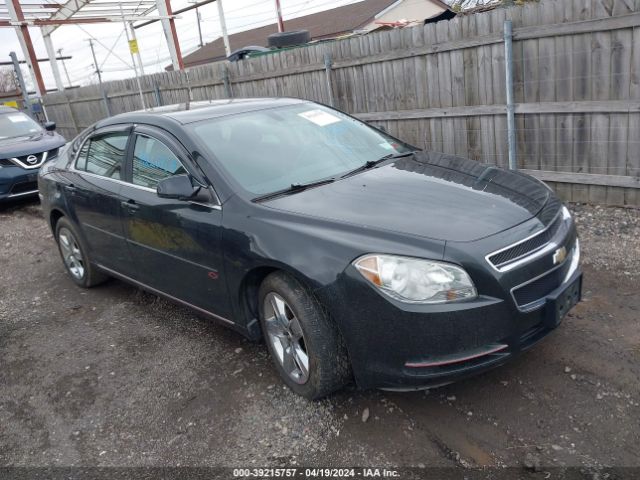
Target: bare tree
x,y
8,82
460,5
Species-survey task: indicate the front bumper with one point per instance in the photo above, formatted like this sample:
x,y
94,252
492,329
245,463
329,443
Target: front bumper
x,y
16,182
404,346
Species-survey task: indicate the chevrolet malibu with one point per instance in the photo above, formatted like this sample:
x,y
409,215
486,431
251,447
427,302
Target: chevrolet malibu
x,y
24,147
352,254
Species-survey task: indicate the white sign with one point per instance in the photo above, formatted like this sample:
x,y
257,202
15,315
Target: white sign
x,y
320,117
18,118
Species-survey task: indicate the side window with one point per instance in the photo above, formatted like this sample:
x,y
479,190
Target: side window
x,y
81,162
153,161
104,155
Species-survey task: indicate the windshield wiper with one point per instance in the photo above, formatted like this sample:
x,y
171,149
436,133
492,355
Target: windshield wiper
x,y
372,163
293,188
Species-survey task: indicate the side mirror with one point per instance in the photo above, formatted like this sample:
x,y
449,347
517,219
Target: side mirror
x,y
178,187
49,126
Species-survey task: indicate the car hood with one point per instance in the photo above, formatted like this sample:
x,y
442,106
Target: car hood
x,y
26,145
427,194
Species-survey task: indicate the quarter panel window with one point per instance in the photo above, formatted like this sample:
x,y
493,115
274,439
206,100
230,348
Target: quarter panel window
x,y
153,162
104,155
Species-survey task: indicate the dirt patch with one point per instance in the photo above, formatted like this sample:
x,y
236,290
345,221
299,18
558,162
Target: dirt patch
x,y
114,376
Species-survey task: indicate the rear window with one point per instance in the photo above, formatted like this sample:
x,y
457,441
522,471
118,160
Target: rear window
x,y
104,155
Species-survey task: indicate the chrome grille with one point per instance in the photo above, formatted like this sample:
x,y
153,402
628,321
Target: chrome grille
x,y
30,161
529,245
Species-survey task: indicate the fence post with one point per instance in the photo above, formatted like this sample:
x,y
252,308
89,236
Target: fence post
x,y
73,117
226,80
328,62
511,108
106,102
156,90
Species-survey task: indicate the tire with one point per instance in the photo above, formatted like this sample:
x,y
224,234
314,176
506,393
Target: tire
x,y
288,39
75,257
328,368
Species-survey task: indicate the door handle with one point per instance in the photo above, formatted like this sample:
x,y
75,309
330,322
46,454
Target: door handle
x,y
131,206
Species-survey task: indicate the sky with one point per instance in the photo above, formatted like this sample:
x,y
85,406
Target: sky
x,y
73,39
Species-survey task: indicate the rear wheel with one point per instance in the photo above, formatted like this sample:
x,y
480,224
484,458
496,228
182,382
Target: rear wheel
x,y
75,257
305,345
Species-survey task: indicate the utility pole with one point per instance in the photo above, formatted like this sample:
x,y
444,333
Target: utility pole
x,y
107,107
223,27
64,67
279,15
195,2
95,62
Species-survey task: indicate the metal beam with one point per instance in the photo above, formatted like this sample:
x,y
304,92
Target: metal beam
x,y
66,11
59,57
177,12
170,33
27,45
48,43
40,22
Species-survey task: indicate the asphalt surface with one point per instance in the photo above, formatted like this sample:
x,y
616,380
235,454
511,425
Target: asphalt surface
x,y
113,376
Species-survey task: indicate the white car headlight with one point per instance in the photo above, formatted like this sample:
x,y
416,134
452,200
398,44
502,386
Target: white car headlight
x,y
414,280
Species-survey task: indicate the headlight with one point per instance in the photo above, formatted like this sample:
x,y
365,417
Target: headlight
x,y
416,281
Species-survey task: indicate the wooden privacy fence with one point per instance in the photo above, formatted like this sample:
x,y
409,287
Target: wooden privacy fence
x,y
576,85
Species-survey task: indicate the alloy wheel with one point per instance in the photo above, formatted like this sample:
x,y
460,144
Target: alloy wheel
x,y
286,337
71,253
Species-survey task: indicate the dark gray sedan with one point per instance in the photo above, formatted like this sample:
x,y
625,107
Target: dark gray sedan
x,y
352,254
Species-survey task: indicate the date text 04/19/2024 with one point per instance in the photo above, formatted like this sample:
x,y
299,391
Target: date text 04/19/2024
x,y
315,473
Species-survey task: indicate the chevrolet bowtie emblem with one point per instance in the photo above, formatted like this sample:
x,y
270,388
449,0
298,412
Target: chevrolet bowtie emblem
x,y
559,255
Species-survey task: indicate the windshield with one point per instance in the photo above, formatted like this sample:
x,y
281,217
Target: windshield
x,y
269,150
17,125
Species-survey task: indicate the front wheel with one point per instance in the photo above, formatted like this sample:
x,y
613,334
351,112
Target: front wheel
x,y
305,345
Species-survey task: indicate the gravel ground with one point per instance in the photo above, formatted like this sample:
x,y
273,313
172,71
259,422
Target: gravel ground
x,y
113,376
609,237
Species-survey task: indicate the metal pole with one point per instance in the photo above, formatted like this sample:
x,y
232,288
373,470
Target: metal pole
x,y
223,27
226,81
23,87
95,63
138,55
279,15
328,62
511,108
64,67
156,89
133,60
53,61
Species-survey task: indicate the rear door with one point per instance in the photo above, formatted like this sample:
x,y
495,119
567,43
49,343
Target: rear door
x,y
93,193
174,244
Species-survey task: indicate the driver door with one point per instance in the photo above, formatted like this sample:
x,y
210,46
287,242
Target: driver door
x,y
174,244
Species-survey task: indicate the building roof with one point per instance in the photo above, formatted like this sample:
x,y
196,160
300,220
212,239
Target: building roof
x,y
325,24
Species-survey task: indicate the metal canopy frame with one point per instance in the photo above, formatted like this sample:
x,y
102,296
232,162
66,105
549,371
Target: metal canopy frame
x,y
49,16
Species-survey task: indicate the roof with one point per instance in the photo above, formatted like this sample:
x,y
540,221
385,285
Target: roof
x,y
185,113
320,25
4,109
